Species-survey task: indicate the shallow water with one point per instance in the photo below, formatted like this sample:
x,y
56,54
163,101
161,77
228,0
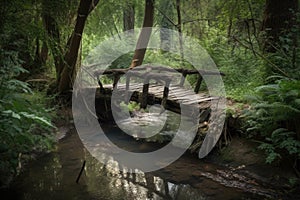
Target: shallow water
x,y
54,177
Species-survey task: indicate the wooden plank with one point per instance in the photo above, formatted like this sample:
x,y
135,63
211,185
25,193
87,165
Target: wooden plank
x,y
123,86
157,92
154,68
175,89
204,105
183,96
186,96
135,87
183,92
203,94
177,95
200,100
158,88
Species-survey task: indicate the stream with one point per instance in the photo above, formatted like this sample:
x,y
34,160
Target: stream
x,y
53,176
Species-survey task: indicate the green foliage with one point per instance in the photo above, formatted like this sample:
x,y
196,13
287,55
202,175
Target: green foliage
x,y
243,70
24,122
132,106
122,62
106,21
284,57
275,116
207,21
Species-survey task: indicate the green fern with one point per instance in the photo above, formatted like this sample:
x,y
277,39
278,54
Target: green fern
x,y
25,125
275,115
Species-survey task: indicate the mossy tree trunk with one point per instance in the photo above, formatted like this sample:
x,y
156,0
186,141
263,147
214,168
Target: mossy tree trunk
x,y
144,37
68,67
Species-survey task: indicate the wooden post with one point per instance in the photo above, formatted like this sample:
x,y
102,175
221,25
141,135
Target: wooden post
x,y
127,98
166,93
116,79
101,85
197,87
144,98
184,73
81,170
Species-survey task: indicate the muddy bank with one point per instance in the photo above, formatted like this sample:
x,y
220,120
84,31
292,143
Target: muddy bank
x,y
242,155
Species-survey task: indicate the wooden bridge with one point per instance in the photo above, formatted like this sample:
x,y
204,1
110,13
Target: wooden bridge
x,y
163,90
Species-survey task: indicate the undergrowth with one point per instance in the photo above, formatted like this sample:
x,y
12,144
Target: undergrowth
x,y
25,121
275,116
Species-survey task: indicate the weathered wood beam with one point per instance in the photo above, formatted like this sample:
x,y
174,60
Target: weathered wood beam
x,y
165,94
148,72
100,84
158,68
110,71
198,84
127,98
182,79
116,80
144,99
156,76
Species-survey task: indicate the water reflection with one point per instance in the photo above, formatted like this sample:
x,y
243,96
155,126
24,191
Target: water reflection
x,y
54,177
132,185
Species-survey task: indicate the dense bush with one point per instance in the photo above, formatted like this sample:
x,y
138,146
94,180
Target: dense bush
x,y
243,69
25,125
275,116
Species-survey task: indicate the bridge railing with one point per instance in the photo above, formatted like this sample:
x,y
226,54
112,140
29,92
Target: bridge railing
x,y
147,73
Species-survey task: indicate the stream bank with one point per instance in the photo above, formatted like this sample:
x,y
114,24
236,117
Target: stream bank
x,y
236,171
222,175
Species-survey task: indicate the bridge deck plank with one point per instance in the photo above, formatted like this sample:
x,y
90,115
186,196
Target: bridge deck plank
x,y
177,94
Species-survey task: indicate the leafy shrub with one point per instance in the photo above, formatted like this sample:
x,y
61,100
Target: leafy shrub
x,y
275,116
132,107
242,69
24,122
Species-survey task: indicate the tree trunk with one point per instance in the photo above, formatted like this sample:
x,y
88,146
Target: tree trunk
x,y
279,18
44,53
128,17
65,78
165,36
179,27
54,35
144,37
41,56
